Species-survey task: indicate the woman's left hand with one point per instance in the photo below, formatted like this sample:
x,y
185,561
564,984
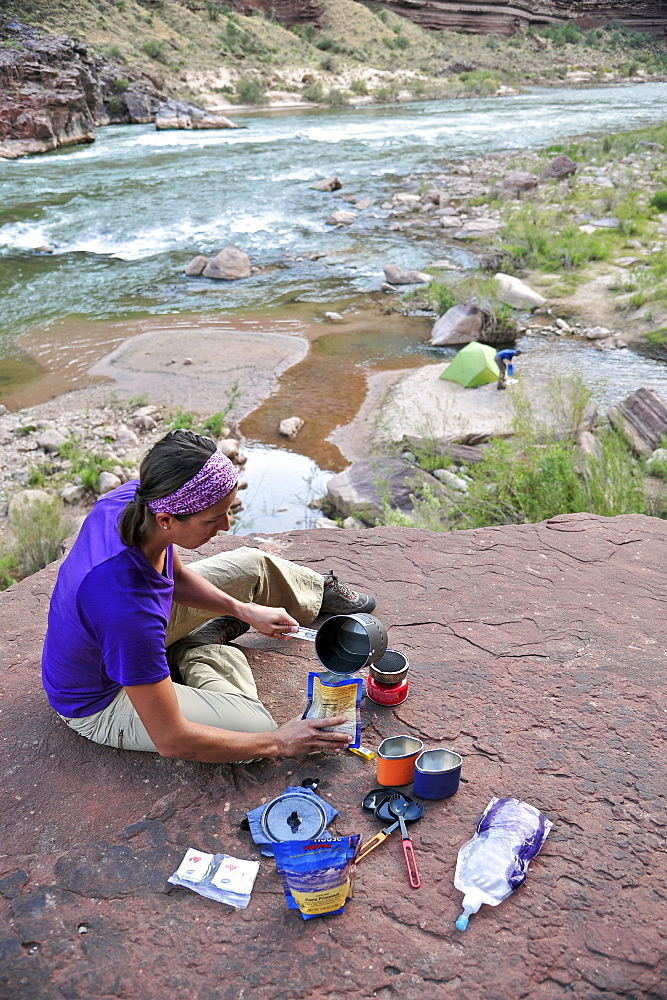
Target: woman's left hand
x,y
269,621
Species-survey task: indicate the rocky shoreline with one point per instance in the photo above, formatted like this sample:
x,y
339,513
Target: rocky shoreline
x,y
476,202
58,90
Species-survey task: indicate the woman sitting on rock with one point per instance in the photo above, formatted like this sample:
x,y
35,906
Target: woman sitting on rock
x,y
122,593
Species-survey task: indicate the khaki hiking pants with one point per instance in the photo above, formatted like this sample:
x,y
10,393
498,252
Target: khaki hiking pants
x,y
219,688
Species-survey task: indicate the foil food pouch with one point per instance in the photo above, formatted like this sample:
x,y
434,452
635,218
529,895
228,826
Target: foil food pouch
x,y
327,698
316,875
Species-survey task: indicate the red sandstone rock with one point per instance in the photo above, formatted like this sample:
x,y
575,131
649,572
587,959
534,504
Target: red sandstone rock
x,y
505,18
537,652
49,96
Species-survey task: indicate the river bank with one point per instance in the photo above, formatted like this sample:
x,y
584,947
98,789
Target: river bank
x,y
62,77
377,332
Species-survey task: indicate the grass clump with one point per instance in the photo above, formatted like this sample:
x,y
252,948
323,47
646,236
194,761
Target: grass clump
x,y
155,49
536,242
38,531
659,201
536,474
313,92
250,91
86,464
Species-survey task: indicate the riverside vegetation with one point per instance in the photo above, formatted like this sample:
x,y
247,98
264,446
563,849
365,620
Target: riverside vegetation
x,y
213,55
594,243
536,475
75,455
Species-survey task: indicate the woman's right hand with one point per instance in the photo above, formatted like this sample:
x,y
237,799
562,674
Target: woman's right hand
x,y
301,736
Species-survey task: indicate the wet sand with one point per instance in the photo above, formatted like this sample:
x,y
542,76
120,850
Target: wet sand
x,y
276,365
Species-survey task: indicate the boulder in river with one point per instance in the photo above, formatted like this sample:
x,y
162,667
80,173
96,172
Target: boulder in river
x,y
397,276
342,217
290,427
183,115
517,294
327,184
459,325
196,266
365,488
230,264
561,166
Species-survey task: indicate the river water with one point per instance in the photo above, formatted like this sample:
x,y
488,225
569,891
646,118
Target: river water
x,y
125,214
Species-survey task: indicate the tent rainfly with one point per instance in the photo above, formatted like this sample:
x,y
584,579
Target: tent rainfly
x,y
473,365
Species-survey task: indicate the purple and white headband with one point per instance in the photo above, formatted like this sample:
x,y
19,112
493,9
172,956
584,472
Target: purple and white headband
x,y
215,480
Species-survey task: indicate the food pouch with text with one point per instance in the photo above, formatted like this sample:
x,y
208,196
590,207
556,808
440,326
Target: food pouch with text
x,y
327,698
316,875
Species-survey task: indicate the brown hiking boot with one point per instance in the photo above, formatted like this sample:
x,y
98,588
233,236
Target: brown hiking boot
x,y
340,600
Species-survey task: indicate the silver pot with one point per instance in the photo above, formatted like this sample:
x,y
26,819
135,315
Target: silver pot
x,y
346,643
390,668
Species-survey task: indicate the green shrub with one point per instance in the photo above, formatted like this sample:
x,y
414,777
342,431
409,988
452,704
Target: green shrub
x,y
212,10
537,474
121,83
9,571
657,337
533,244
659,201
313,92
336,98
155,50
215,423
250,91
39,529
183,419
440,296
326,44
329,64
359,87
86,464
401,42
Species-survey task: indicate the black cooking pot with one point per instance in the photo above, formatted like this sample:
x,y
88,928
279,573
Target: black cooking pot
x,y
347,643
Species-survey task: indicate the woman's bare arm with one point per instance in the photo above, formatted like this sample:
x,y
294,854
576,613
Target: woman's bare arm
x,y
175,736
194,591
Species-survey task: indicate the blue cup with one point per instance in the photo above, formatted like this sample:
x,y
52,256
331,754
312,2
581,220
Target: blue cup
x,y
437,774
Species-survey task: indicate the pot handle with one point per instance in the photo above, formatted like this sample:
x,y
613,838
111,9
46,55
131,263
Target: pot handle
x,y
411,863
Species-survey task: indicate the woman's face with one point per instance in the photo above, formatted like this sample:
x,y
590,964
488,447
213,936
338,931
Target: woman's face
x,y
201,527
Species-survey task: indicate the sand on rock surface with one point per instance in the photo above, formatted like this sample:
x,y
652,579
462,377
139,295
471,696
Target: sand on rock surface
x,y
201,369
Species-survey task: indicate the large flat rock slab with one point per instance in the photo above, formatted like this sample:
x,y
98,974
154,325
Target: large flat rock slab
x,y
537,652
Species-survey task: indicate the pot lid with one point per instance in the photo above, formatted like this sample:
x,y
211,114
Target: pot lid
x,y
294,816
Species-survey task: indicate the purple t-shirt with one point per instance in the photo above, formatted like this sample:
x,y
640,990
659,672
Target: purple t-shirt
x,y
108,616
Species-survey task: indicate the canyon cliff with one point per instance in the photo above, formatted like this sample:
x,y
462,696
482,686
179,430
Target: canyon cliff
x,y
502,18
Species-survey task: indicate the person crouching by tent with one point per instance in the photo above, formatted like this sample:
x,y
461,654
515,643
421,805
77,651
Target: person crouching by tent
x,y
122,594
504,361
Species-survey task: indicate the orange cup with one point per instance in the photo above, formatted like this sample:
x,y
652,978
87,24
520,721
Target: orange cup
x,y
396,759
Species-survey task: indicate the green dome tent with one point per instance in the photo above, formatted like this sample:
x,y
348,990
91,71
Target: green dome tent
x,y
473,365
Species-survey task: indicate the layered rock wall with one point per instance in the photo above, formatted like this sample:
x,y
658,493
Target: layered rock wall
x,y
502,18
50,96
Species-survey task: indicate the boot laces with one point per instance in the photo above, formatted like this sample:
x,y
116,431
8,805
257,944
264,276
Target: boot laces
x,y
340,588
